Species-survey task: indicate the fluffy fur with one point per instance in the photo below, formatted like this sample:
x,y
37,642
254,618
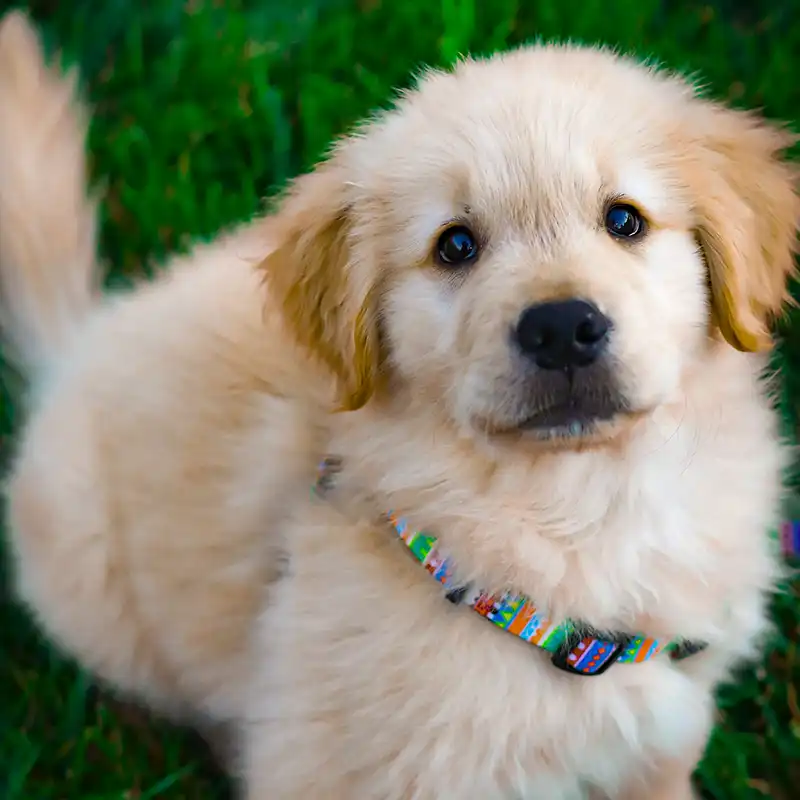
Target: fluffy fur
x,y
159,504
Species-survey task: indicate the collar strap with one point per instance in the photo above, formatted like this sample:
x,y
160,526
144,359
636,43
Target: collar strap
x,y
575,647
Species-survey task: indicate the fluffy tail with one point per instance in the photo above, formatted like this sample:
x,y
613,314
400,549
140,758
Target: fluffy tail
x,y
48,266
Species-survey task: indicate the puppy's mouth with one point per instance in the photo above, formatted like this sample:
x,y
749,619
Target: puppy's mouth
x,y
570,420
567,406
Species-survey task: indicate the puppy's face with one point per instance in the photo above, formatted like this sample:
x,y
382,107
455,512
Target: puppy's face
x,y
541,243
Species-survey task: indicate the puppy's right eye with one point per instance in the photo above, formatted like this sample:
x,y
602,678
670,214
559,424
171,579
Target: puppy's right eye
x,y
456,246
624,221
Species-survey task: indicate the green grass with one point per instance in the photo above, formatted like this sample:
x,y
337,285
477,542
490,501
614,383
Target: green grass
x,y
203,109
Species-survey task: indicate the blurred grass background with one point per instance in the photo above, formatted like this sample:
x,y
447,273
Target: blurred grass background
x,y
202,109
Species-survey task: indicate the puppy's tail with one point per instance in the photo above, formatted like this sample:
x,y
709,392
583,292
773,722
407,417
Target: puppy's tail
x,y
48,266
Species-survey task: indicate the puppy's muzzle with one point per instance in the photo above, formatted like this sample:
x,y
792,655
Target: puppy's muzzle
x,y
564,335
570,382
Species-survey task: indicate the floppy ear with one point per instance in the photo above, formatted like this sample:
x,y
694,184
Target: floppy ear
x,y
325,289
748,212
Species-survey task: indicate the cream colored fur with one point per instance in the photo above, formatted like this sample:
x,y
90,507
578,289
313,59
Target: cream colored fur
x,y
159,505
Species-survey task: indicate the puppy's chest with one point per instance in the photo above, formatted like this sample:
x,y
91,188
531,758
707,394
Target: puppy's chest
x,y
496,717
658,551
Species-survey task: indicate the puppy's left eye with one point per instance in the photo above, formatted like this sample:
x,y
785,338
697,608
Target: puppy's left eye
x,y
456,246
624,221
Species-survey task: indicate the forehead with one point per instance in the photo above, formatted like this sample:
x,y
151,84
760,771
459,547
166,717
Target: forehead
x,y
541,126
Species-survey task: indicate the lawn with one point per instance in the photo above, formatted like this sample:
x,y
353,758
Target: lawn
x,y
202,109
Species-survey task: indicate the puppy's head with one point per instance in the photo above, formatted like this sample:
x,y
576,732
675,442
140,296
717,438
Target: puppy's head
x,y
543,242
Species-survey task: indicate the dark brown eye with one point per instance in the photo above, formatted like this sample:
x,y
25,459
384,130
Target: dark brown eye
x,y
624,221
456,246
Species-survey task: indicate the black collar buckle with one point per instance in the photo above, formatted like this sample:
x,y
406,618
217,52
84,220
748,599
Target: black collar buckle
x,y
588,654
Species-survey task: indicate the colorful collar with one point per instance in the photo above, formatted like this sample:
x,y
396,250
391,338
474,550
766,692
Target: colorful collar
x,y
574,647
789,536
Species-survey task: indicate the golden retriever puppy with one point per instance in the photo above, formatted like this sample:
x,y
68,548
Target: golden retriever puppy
x,y
544,281
520,319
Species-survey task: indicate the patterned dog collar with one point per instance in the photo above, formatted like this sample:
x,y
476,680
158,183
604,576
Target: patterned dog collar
x,y
789,534
574,647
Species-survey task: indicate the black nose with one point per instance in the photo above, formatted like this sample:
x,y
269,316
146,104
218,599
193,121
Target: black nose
x,y
569,333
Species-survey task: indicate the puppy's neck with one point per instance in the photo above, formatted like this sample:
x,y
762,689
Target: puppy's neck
x,y
542,523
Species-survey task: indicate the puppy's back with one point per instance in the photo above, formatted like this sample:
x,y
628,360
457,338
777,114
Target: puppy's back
x,y
156,456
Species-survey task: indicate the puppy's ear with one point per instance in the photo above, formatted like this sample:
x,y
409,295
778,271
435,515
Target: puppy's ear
x,y
748,212
325,289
